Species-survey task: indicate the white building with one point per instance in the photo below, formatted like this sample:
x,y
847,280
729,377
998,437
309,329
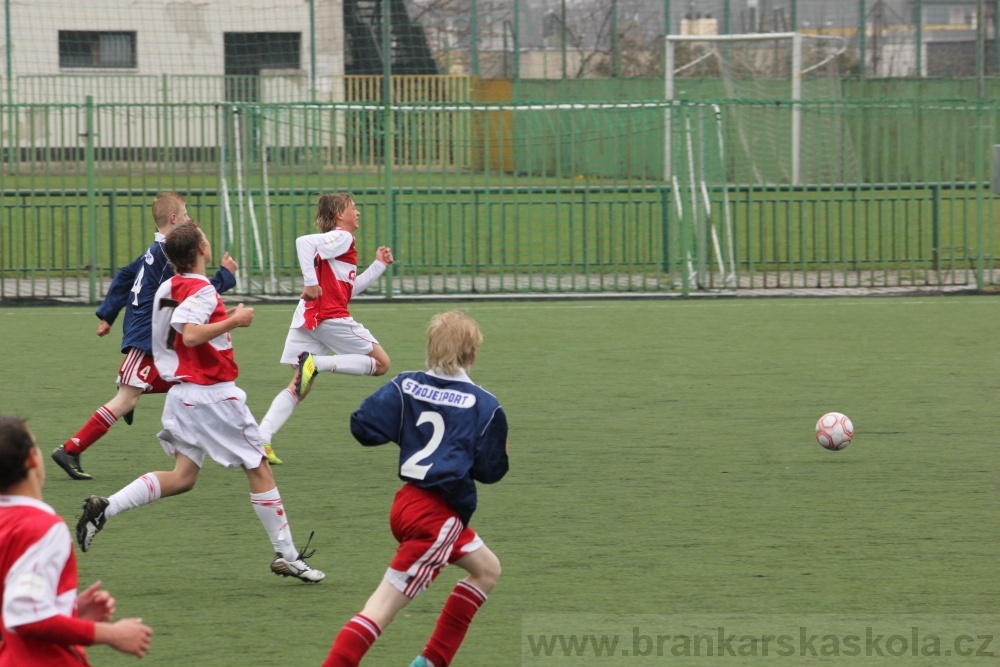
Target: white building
x,y
148,51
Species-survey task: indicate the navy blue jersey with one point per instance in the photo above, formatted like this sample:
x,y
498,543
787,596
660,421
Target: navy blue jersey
x,y
133,289
451,434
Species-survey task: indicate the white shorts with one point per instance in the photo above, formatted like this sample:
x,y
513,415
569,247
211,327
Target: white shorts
x,y
339,336
213,420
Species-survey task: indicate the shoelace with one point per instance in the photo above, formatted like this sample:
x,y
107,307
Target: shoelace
x,y
302,552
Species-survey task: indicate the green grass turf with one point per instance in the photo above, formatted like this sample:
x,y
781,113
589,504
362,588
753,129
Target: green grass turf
x,y
663,462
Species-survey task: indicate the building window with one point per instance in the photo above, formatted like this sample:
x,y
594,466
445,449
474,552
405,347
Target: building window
x,y
92,48
247,53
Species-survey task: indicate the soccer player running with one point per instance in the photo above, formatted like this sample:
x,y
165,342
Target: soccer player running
x,y
133,288
451,434
44,622
205,412
323,335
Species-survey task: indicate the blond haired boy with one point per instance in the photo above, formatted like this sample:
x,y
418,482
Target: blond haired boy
x,y
451,434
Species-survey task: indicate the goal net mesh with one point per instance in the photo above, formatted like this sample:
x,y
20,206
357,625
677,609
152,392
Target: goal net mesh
x,y
759,130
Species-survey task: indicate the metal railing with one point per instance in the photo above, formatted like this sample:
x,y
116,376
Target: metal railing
x,y
513,197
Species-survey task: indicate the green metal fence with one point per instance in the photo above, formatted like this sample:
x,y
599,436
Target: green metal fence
x,y
640,197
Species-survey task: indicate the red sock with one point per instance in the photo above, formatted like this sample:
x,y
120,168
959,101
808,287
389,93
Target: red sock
x,y
92,431
463,603
352,642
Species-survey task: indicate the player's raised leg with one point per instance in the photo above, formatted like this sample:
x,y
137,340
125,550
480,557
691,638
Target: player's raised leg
x,y
142,491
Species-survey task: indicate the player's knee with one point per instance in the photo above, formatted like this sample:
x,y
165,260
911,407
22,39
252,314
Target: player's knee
x,y
381,365
488,573
185,486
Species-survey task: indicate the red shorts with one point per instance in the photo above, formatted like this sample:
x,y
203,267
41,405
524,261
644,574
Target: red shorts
x,y
430,536
138,370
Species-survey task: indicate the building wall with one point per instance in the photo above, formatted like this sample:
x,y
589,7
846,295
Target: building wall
x,y
171,38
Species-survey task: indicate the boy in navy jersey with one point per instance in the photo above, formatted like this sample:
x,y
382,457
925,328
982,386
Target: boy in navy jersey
x,y
451,434
132,289
43,621
205,413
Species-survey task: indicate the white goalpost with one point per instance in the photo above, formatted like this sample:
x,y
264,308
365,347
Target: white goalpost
x,y
760,57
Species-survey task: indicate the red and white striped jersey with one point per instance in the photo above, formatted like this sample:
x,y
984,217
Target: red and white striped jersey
x,y
38,581
190,299
329,260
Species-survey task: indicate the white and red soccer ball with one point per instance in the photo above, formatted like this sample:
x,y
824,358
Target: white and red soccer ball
x,y
834,431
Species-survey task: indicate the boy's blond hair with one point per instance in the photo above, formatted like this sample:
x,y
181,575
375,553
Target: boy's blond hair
x,y
165,205
329,208
452,341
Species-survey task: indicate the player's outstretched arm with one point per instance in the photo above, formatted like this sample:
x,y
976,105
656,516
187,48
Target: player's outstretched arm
x,y
196,334
128,635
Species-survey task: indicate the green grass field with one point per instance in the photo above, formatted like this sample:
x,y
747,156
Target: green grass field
x,y
663,463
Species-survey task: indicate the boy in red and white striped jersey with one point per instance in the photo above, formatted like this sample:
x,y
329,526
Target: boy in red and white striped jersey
x,y
205,412
323,336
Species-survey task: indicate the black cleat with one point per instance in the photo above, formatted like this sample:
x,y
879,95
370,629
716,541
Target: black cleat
x,y
129,416
91,521
70,463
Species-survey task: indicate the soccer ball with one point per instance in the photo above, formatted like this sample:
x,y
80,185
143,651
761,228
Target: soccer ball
x,y
834,431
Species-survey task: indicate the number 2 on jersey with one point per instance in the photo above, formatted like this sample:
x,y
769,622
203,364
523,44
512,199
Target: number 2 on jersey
x,y
411,468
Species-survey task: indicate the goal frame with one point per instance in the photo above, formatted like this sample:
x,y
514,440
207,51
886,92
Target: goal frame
x,y
669,72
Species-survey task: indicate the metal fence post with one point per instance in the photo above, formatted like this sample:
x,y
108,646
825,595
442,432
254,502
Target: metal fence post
x,y
517,39
862,20
474,37
665,221
112,269
312,50
12,115
981,182
918,9
936,228
91,196
388,139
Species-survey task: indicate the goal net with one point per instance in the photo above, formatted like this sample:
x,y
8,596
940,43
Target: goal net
x,y
782,81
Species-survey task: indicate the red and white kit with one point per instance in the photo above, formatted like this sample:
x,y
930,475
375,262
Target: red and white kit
x,y
190,299
325,325
38,582
206,412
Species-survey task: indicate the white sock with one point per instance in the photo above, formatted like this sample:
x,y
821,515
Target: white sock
x,y
142,491
350,364
281,409
271,513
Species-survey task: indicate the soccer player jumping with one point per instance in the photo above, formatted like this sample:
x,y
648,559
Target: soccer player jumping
x,y
451,434
323,335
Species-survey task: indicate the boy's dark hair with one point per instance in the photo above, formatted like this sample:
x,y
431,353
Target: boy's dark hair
x,y
15,447
181,246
